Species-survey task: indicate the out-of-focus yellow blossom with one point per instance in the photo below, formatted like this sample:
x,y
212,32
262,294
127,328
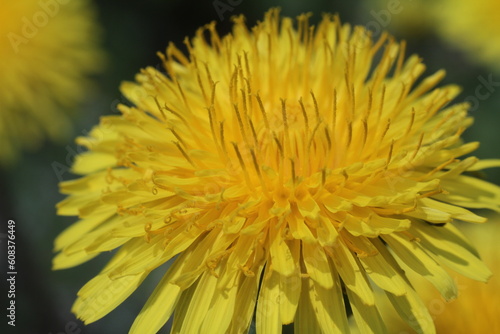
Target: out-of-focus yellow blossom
x,y
476,309
473,26
403,17
47,50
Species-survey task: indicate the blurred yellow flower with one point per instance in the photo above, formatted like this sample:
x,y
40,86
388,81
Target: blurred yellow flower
x,y
404,17
473,26
276,164
476,309
47,49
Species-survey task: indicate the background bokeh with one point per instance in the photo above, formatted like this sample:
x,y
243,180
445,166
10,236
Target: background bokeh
x,y
133,32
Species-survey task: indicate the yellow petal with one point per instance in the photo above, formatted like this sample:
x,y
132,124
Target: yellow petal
x,y
90,162
64,261
75,231
372,225
335,203
137,256
456,234
426,212
367,317
471,192
261,222
327,232
393,190
234,225
125,198
92,207
101,295
268,306
135,226
199,304
98,238
92,182
220,312
243,312
305,318
484,164
329,307
204,254
352,273
451,250
417,259
413,311
308,207
243,249
290,287
281,257
317,265
408,304
454,211
456,169
182,307
71,205
436,158
160,304
299,228
383,274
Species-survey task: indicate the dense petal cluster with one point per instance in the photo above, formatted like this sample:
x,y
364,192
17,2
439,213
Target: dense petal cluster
x,y
46,51
290,165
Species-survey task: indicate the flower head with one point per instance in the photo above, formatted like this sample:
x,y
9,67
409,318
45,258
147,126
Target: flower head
x,y
46,51
276,164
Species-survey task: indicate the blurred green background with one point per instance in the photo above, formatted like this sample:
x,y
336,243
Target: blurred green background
x,y
132,34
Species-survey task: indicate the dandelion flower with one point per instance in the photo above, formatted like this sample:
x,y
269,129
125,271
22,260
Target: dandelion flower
x,y
47,49
276,165
405,17
471,26
476,310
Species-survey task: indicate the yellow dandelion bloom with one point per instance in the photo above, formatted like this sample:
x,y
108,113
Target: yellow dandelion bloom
x,y
275,165
407,17
47,49
476,309
471,26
